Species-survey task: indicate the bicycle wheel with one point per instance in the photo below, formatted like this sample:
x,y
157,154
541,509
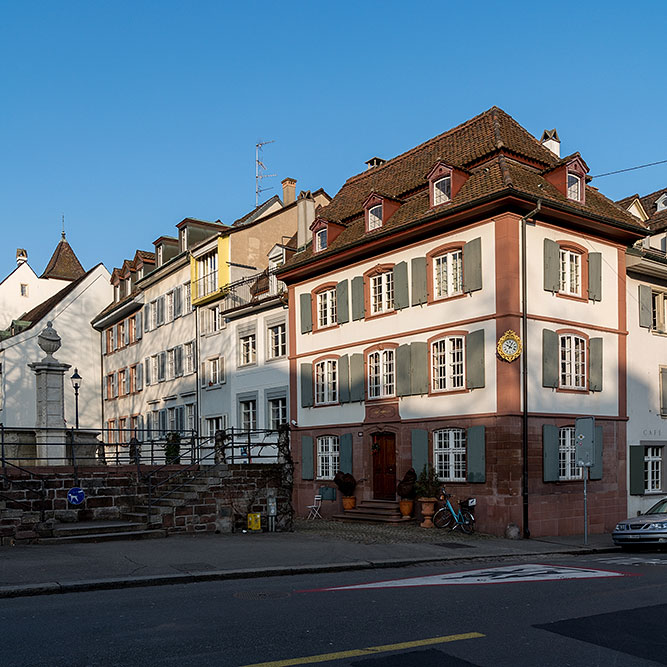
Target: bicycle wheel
x,y
443,518
468,525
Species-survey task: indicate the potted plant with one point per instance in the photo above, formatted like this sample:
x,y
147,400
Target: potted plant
x,y
406,492
346,485
427,489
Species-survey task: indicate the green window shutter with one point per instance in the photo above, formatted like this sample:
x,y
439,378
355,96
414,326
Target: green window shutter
x,y
344,379
418,369
306,313
551,266
475,359
418,271
346,452
358,308
307,457
342,307
596,468
357,377
472,265
476,454
663,391
637,471
419,449
306,385
403,370
595,364
327,492
401,297
550,466
645,307
549,358
595,276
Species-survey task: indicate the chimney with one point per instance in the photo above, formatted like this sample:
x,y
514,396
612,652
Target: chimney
x,y
21,256
551,141
305,215
374,162
289,190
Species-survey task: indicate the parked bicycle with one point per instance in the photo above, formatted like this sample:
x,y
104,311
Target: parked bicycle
x,y
447,517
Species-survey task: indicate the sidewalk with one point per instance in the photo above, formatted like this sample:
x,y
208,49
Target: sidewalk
x,y
317,546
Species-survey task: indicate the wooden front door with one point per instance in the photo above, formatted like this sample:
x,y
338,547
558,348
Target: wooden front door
x,y
384,466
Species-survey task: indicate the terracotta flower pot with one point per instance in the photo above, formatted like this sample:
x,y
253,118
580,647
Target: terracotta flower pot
x,y
406,506
349,502
428,509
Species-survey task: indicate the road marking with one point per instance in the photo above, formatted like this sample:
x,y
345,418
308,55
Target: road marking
x,y
632,560
370,650
508,574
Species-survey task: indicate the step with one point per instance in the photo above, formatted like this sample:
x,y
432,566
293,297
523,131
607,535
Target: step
x,y
374,510
105,537
140,518
355,515
92,528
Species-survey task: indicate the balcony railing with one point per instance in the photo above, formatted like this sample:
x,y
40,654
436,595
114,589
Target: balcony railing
x,y
207,284
253,289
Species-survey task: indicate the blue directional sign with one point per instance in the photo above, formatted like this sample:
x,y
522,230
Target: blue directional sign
x,y
75,495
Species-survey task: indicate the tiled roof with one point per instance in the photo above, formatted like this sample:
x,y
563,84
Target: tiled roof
x,y
63,264
493,148
657,220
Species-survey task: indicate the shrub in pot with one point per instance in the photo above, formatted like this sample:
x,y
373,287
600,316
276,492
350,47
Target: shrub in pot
x,y
406,491
346,484
427,488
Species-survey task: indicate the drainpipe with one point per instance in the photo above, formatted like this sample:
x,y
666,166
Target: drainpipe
x,y
524,379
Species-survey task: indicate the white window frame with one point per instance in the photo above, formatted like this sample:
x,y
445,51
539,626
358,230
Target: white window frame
x,y
448,274
169,307
248,348
328,456
207,273
382,293
187,298
375,217
658,311
567,455
276,340
448,364
450,454
442,190
248,414
326,308
215,371
171,364
381,373
653,475
574,186
326,382
24,289
188,358
570,272
321,239
573,362
277,408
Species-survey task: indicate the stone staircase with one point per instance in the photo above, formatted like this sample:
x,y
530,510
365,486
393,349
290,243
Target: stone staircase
x,y
383,511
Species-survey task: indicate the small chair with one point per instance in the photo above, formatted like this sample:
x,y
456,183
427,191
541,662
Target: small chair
x,y
315,508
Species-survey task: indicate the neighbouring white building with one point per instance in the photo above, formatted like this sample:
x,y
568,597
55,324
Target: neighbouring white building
x,y
70,310
22,289
647,353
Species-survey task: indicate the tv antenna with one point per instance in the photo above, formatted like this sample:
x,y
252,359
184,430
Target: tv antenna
x,y
260,168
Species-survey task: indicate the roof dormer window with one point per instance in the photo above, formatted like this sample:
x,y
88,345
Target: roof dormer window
x,y
442,190
661,203
573,186
321,239
375,217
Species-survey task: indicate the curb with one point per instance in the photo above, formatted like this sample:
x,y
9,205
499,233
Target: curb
x,y
87,585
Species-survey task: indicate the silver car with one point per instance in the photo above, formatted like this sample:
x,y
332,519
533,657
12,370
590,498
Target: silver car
x,y
647,528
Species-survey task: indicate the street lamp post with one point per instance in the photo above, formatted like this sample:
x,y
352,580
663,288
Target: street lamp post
x,y
77,380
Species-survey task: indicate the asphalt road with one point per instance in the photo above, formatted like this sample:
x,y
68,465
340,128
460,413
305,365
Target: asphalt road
x,y
502,614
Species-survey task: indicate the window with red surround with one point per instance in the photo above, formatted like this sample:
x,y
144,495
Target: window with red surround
x,y
444,267
447,363
326,381
378,209
324,306
573,271
381,371
379,290
573,357
443,183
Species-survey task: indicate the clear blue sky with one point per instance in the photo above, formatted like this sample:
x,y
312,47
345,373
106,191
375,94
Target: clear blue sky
x,y
129,116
